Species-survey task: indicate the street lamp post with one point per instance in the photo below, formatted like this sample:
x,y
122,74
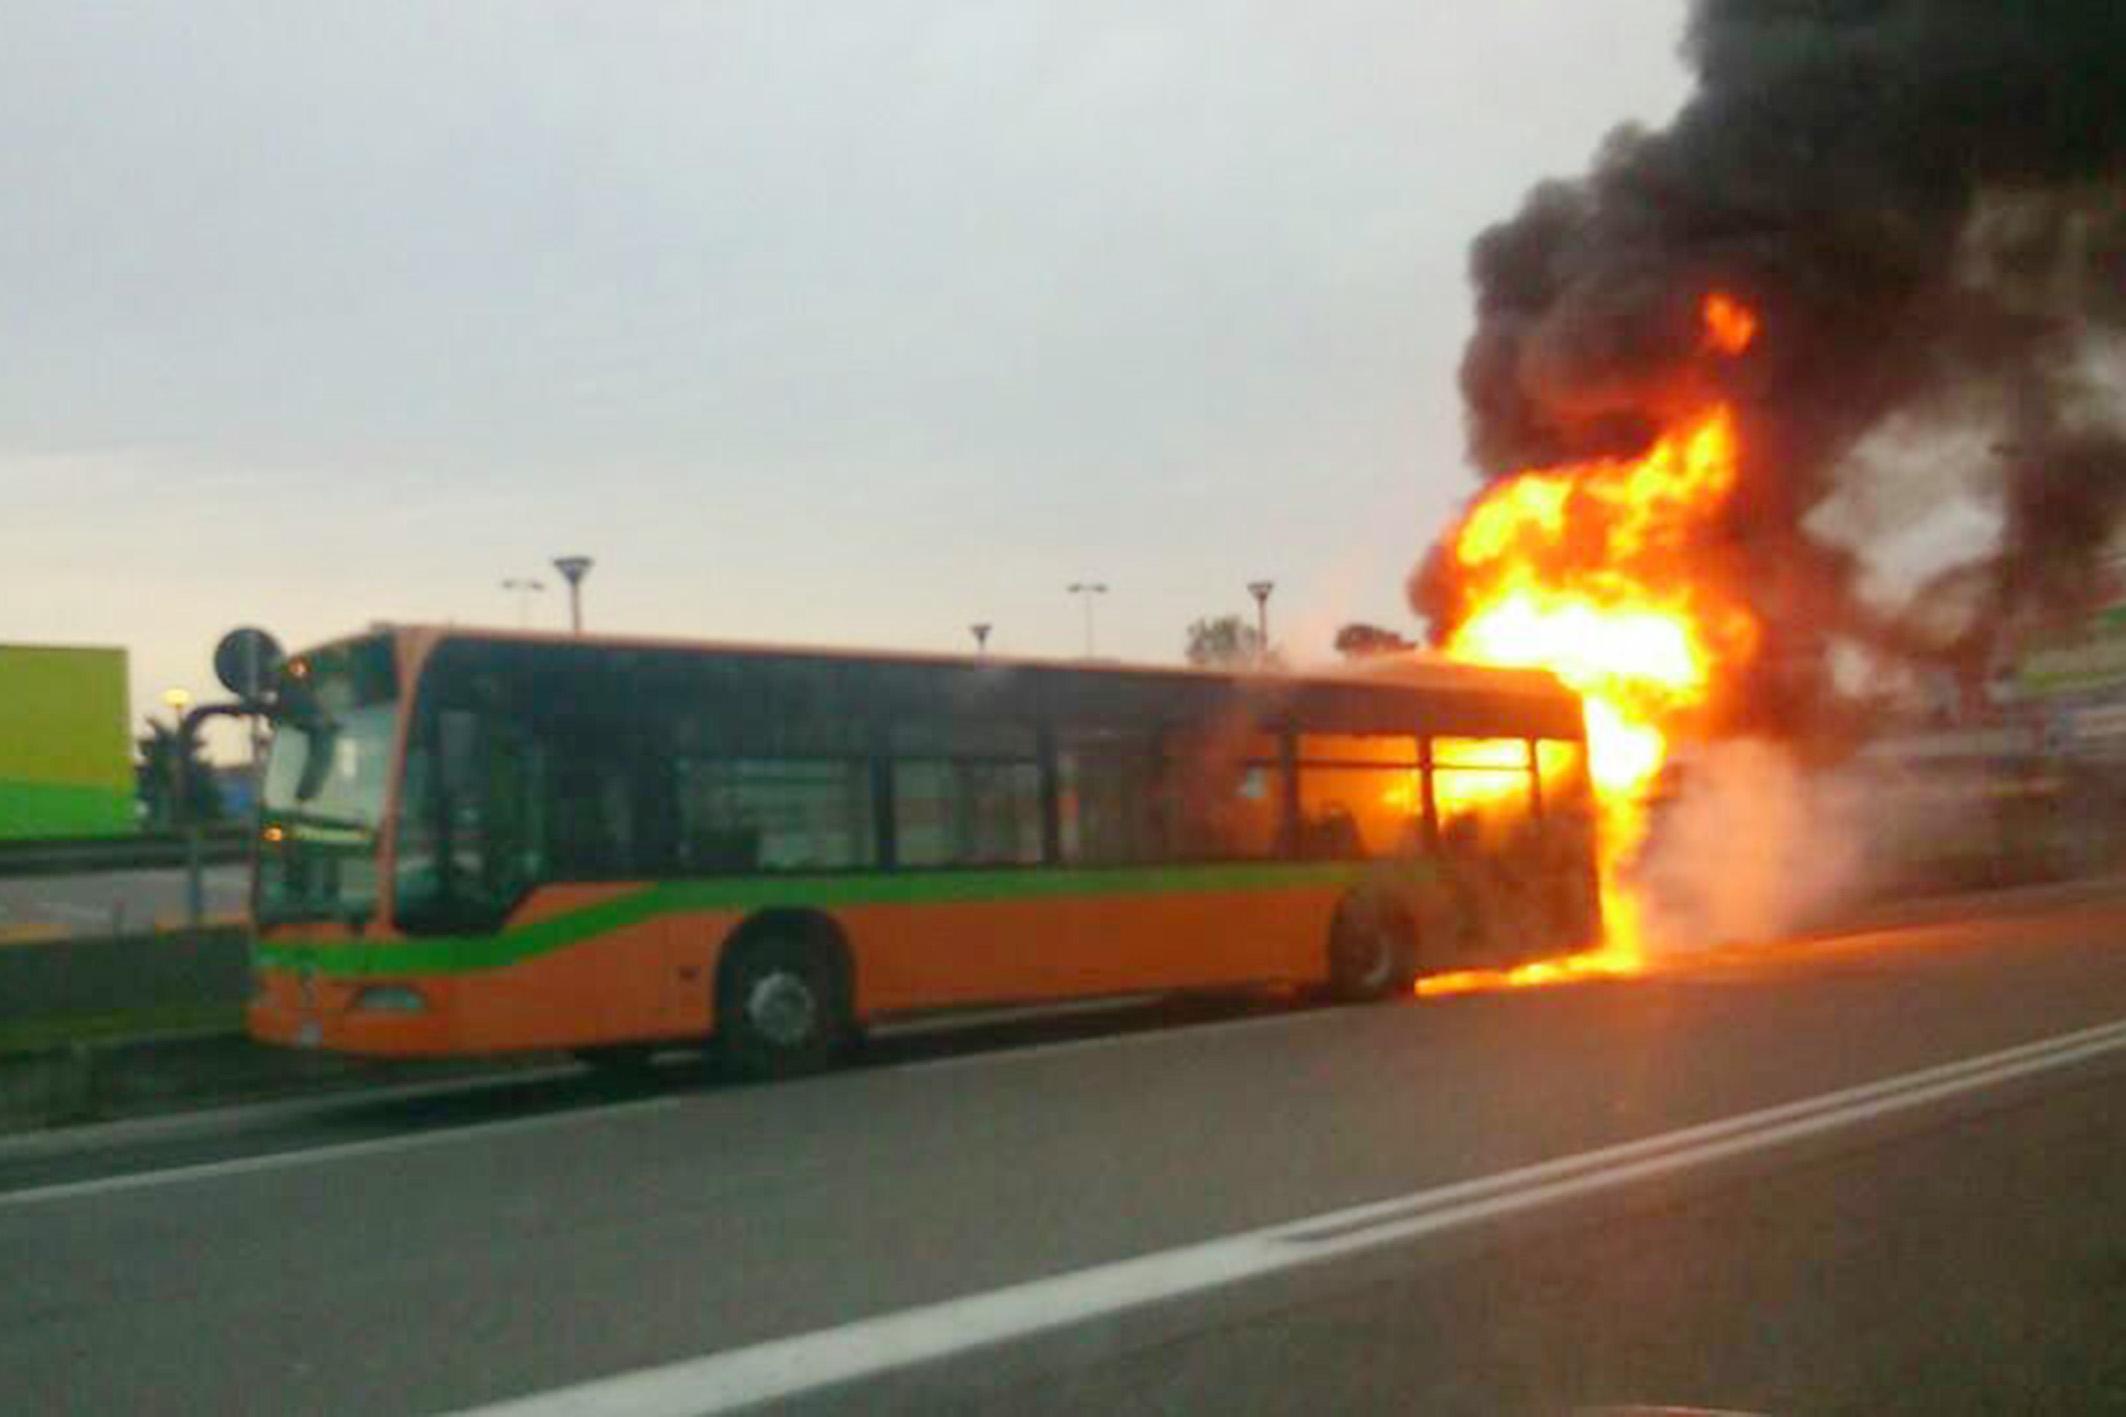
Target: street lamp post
x,y
177,701
573,569
980,631
1261,591
524,588
1085,591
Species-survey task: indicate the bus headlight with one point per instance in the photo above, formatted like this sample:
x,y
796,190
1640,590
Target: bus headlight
x,y
390,999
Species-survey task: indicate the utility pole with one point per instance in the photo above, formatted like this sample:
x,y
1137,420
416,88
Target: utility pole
x,y
181,820
524,589
573,569
1085,591
1261,591
980,631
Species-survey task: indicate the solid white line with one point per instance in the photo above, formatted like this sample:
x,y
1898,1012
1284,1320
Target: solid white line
x,y
783,1368
338,1151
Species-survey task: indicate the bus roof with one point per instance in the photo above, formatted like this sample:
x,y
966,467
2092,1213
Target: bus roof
x,y
1415,669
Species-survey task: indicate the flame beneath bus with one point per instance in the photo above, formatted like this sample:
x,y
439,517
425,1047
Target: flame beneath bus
x,y
1587,570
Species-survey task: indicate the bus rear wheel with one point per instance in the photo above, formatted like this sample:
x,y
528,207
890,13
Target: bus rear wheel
x,y
1372,955
781,1006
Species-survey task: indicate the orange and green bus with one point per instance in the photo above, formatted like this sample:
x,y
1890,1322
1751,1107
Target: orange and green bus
x,y
482,842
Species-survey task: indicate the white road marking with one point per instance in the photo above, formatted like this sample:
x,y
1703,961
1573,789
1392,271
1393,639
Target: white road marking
x,y
338,1151
783,1368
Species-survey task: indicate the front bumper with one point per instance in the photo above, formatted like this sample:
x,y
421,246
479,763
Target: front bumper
x,y
297,1007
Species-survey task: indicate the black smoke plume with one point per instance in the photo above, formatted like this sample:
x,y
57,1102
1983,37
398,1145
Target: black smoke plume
x,y
1926,202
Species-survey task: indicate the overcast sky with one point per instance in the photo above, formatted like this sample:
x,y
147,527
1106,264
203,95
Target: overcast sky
x,y
845,323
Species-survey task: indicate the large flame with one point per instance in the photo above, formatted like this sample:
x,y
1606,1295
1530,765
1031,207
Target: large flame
x,y
1586,570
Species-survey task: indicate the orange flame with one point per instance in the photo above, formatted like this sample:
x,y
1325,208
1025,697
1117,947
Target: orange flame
x,y
1585,570
1730,326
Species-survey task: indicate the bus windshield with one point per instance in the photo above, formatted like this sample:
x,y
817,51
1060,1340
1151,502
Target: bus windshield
x,y
326,783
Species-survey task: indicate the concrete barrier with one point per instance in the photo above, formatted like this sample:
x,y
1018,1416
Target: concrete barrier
x,y
117,1078
80,975
86,1032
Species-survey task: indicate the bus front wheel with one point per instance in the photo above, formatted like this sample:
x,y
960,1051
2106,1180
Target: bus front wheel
x,y
781,1005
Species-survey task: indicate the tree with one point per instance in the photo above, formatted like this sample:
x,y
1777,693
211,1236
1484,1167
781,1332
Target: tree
x,y
1228,642
1359,640
155,779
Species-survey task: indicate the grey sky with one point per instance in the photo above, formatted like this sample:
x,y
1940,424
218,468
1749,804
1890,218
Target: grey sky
x,y
843,323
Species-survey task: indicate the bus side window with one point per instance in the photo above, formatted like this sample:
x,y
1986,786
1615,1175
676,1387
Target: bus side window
x,y
966,789
592,832
1359,795
1105,797
774,814
1223,797
1484,790
967,812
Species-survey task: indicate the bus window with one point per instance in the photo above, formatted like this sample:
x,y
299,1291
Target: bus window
x,y
1353,812
474,822
1483,789
326,786
962,738
774,814
1104,796
967,813
1359,795
1508,754
1220,807
591,804
1356,749
766,708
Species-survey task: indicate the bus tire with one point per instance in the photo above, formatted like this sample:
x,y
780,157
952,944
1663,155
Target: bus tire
x,y
782,1002
1372,954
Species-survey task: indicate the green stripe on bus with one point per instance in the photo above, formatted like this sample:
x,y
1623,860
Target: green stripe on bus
x,y
454,954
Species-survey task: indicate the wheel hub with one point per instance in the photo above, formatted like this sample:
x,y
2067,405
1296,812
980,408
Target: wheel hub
x,y
1368,957
1377,961
781,1008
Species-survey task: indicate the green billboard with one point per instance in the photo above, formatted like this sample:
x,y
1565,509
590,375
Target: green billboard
x,y
65,756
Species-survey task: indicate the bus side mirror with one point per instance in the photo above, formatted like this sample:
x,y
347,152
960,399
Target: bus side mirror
x,y
248,661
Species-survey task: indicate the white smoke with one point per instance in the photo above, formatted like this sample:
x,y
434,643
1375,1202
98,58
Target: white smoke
x,y
1752,847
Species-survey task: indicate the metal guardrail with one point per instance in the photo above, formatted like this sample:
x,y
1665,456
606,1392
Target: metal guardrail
x,y
51,932
130,853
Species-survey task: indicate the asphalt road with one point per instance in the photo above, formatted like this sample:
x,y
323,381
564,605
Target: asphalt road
x,y
113,902
1773,1182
